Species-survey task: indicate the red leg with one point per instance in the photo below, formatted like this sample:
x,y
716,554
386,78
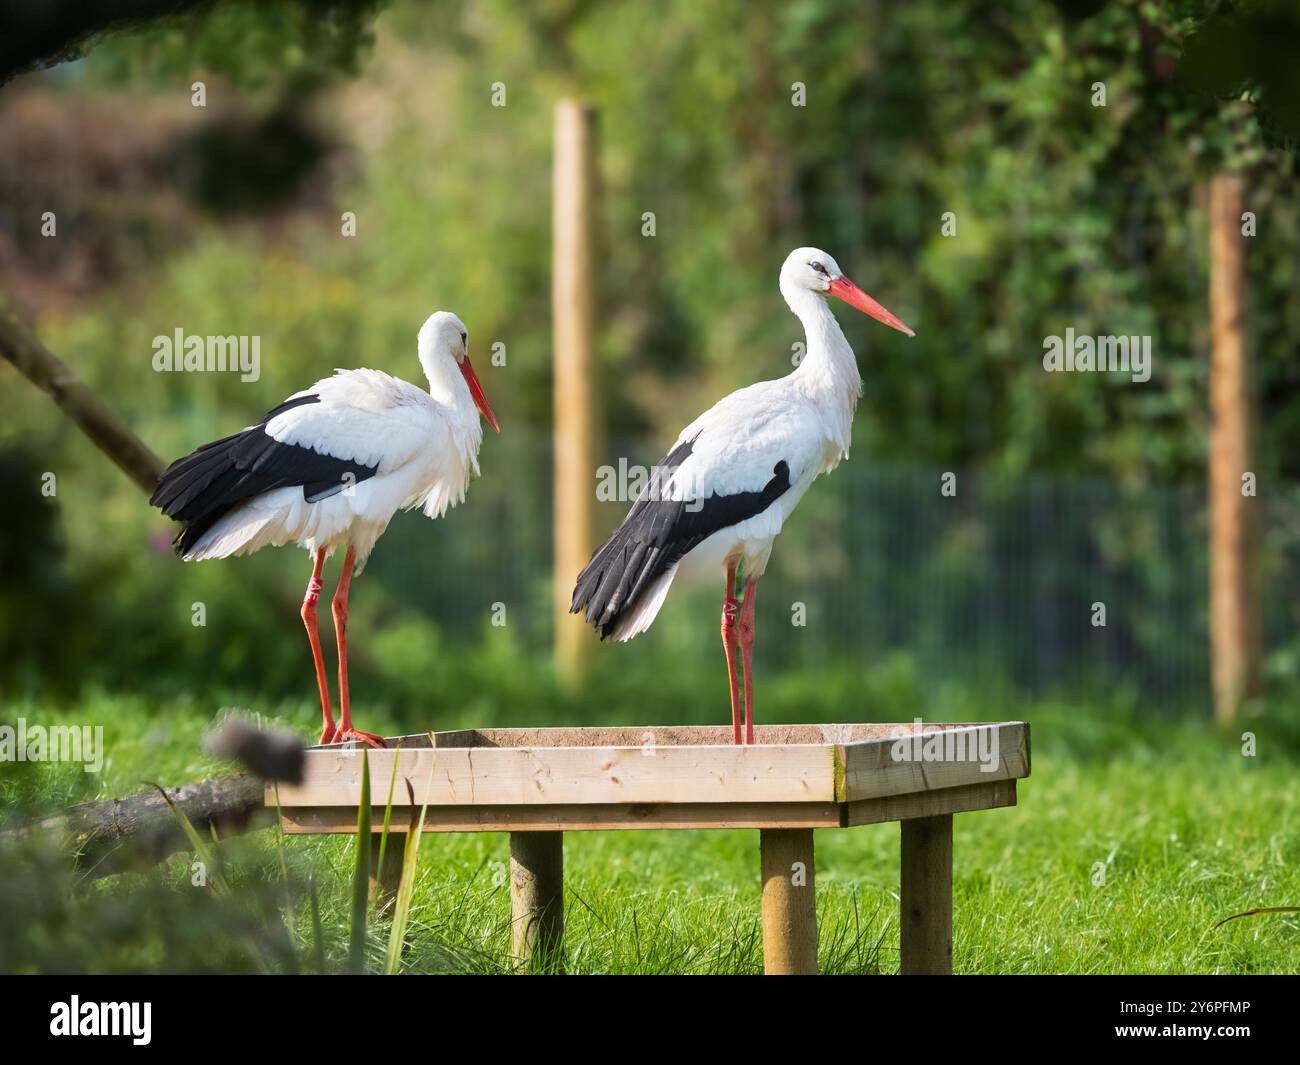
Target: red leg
x,y
309,619
747,655
339,608
729,608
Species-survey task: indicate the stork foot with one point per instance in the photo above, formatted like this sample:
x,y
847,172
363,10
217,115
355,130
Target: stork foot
x,y
343,735
328,734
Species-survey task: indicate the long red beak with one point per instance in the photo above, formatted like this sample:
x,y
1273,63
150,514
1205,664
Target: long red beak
x,y
846,290
476,390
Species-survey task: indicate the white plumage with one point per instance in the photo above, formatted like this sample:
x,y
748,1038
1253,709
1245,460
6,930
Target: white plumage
x,y
734,475
425,452
424,446
330,467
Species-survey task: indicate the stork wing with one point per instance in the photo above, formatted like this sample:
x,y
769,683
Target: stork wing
x,y
361,416
338,433
720,473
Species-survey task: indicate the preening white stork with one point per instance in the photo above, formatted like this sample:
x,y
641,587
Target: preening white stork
x,y
330,466
721,495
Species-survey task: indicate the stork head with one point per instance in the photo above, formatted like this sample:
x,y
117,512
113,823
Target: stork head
x,y
813,270
444,336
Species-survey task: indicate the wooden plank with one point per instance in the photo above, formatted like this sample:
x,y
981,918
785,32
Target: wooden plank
x,y
925,896
789,902
965,799
576,818
649,736
938,757
537,900
575,775
589,818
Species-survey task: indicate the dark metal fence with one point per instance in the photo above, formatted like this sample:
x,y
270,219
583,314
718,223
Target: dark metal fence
x,y
1003,582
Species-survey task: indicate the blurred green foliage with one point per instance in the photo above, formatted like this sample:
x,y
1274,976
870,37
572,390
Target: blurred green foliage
x,y
255,43
1067,214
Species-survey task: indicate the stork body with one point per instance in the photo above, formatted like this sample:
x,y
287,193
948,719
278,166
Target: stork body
x,y
328,469
722,494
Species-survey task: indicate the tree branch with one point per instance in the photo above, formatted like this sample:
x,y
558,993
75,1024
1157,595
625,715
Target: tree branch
x,y
108,432
140,830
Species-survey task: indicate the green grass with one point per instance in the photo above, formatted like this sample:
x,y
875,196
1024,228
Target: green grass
x,y
1187,830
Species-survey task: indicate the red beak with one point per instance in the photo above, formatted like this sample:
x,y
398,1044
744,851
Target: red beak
x,y
476,390
846,290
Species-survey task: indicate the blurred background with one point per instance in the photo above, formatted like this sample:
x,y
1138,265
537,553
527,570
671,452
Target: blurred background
x,y
433,124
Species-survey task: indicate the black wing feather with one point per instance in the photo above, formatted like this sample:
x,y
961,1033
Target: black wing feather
x,y
201,488
655,535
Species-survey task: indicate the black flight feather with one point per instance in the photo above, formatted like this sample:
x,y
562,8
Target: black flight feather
x,y
655,535
201,488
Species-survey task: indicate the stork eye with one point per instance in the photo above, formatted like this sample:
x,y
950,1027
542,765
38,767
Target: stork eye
x,y
464,338
818,267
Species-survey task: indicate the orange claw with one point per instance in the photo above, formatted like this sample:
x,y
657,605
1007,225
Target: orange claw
x,y
343,735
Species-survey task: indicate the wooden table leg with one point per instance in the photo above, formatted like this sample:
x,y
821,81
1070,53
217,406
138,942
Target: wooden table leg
x,y
925,896
789,901
537,900
385,882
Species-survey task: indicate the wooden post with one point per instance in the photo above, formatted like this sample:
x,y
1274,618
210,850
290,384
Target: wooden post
x,y
537,900
573,374
789,901
1234,595
385,881
925,896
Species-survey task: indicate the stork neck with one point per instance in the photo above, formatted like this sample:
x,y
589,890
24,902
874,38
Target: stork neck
x,y
447,386
828,373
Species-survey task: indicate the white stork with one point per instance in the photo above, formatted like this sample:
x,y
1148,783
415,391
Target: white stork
x,y
330,466
721,495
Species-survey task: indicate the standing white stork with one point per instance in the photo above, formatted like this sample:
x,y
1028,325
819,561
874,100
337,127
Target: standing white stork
x,y
721,495
330,466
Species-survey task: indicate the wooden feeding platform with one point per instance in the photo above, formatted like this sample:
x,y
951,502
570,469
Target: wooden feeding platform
x,y
538,783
